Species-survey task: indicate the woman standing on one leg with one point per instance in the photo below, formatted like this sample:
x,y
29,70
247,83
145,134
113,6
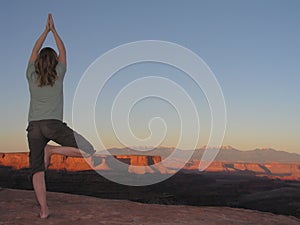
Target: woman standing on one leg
x,y
45,74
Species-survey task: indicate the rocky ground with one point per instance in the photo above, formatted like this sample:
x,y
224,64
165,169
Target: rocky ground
x,y
20,207
184,188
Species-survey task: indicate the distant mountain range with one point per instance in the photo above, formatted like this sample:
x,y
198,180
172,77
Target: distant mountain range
x,y
226,153
260,162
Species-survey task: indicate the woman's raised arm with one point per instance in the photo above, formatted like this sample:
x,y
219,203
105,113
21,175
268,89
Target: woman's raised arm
x,y
38,44
62,57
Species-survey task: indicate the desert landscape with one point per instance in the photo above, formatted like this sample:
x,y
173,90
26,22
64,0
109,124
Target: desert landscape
x,y
144,83
265,186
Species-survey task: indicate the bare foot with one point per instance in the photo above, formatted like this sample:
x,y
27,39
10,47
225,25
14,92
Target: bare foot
x,y
47,155
44,214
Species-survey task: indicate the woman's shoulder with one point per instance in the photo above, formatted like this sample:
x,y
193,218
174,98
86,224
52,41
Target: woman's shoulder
x,y
61,68
30,69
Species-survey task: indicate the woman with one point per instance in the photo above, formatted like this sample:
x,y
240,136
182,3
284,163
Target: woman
x,y
45,74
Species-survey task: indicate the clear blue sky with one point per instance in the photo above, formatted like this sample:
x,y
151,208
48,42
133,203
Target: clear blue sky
x,y
253,48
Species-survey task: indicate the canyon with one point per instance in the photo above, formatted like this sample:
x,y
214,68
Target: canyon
x,y
265,186
142,164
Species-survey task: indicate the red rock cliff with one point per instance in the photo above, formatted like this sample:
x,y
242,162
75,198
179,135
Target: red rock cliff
x,y
141,164
137,163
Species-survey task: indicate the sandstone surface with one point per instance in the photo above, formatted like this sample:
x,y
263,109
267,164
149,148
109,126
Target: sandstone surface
x,y
20,207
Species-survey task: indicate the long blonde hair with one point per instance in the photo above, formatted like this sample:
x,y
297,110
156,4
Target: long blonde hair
x,y
45,65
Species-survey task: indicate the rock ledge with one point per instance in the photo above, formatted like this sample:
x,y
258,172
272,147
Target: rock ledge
x,y
20,207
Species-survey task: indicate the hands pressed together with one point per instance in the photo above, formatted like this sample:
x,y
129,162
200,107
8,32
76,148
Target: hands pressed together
x,y
59,43
50,24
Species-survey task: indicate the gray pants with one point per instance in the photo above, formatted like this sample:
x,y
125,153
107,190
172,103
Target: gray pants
x,y
39,133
